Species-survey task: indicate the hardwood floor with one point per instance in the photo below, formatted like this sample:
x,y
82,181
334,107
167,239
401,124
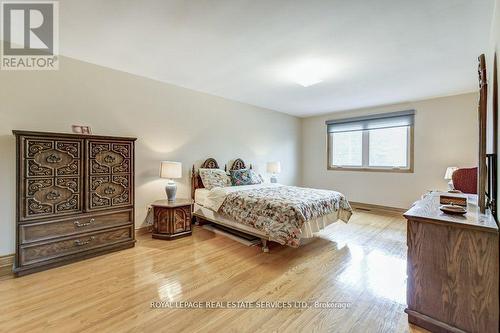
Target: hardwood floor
x,y
362,263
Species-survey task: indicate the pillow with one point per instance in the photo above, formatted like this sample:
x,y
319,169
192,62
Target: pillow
x,y
214,178
245,177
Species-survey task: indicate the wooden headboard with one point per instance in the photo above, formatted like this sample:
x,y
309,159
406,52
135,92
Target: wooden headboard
x,y
238,164
211,163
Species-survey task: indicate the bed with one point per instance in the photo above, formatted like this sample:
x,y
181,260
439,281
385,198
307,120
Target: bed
x,y
272,212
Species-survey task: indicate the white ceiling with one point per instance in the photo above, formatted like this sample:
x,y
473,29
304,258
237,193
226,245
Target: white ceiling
x,y
379,52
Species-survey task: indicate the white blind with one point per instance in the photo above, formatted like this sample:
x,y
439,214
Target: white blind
x,y
385,120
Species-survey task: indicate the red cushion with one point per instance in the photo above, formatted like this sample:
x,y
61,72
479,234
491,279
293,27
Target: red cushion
x,y
465,180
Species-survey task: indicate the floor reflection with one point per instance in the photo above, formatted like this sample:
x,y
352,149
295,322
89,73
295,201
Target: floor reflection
x,y
169,289
384,274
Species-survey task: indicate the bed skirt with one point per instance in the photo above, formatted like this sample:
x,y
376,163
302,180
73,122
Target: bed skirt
x,y
308,229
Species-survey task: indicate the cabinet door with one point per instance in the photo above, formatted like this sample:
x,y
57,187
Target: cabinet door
x,y
162,220
182,219
50,177
110,170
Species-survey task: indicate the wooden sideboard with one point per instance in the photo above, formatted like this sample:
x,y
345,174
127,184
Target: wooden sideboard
x,y
75,198
453,269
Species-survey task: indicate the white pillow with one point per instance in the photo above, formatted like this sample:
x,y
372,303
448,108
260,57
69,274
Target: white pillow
x,y
214,178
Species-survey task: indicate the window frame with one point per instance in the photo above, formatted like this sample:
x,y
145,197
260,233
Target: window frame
x,y
365,157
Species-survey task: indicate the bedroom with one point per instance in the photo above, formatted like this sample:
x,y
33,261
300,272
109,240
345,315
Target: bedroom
x,y
263,82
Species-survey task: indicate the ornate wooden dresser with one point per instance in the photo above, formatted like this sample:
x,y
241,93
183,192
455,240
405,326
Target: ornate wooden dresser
x,y
75,198
453,269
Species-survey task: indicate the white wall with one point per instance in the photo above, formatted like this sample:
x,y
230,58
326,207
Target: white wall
x,y
171,123
445,135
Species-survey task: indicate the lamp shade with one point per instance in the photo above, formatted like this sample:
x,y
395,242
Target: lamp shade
x,y
273,167
170,170
449,172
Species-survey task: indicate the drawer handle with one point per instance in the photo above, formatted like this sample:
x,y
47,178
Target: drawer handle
x,y
78,224
53,195
109,159
109,190
53,158
79,242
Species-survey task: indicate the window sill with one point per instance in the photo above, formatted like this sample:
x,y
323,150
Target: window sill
x,y
370,169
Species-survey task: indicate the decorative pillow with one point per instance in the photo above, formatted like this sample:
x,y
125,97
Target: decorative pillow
x,y
214,178
245,177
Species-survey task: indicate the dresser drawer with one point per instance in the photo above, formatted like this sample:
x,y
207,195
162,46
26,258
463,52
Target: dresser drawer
x,y
32,232
30,254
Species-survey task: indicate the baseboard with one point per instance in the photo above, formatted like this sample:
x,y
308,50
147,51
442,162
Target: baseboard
x,y
431,324
143,230
371,207
6,265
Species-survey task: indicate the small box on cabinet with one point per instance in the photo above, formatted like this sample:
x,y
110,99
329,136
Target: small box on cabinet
x,y
459,200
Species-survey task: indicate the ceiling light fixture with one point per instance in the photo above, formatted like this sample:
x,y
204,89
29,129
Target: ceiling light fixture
x,y
308,72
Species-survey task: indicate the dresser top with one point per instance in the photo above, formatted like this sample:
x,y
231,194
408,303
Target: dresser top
x,y
70,135
427,210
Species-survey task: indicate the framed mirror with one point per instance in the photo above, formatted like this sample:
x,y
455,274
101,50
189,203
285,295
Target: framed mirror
x,y
483,115
487,168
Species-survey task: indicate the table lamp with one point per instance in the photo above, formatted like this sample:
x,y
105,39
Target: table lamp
x,y
274,168
171,170
448,176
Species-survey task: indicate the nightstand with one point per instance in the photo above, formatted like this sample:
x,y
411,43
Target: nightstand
x,y
172,219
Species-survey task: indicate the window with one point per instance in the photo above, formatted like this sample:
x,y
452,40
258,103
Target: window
x,y
347,148
379,143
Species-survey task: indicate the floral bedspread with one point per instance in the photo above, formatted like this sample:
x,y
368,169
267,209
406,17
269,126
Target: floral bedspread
x,y
281,211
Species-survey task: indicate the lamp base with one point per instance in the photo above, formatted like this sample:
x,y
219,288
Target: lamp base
x,y
171,190
450,185
274,179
